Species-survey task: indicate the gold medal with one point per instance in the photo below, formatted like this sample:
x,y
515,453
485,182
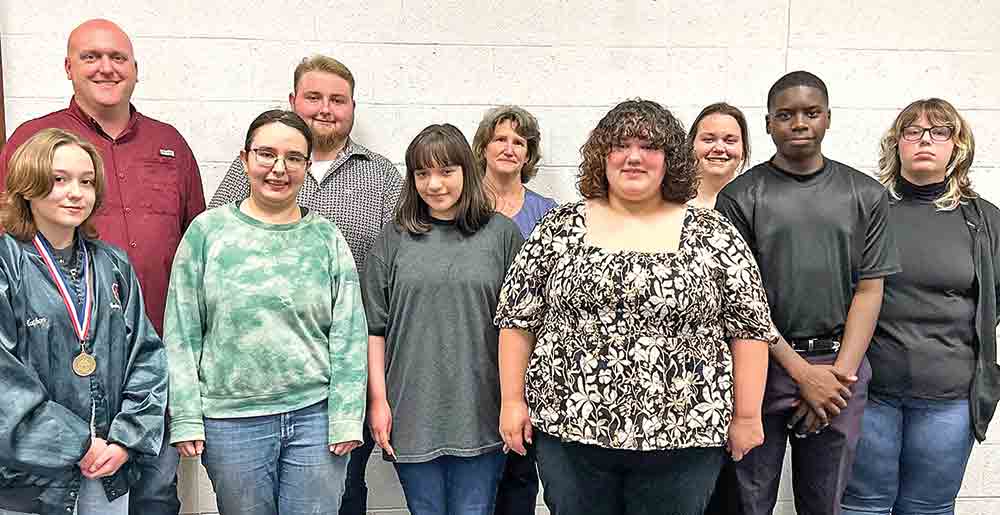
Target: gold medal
x,y
84,364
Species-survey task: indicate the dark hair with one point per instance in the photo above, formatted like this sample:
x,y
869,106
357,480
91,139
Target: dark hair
x,y
729,110
525,125
795,79
29,176
283,117
647,120
440,146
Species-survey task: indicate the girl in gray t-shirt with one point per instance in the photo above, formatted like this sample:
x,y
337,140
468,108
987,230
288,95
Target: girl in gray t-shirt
x,y
431,287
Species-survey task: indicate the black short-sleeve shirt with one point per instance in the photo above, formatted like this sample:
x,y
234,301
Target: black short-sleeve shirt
x,y
814,238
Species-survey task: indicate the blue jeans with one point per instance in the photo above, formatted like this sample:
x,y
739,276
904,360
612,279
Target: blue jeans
x,y
911,458
274,464
93,500
451,485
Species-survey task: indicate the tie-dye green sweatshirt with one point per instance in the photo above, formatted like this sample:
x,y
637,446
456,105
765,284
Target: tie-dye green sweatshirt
x,y
264,319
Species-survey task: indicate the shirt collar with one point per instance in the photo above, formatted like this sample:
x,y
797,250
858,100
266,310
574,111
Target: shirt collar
x,y
79,113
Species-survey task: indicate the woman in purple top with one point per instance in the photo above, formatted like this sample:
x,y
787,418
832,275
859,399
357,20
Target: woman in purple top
x,y
507,145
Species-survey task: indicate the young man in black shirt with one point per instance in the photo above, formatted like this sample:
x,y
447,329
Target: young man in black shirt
x,y
818,230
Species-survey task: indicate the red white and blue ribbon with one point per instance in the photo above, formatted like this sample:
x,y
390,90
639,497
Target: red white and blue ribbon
x,y
80,315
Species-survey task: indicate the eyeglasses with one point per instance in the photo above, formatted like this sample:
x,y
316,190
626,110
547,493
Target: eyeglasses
x,y
267,158
939,133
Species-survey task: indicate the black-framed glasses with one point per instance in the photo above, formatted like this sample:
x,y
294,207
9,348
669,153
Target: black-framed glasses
x,y
268,158
939,133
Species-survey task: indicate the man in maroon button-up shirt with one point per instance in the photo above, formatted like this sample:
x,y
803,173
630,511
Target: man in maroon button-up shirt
x,y
152,191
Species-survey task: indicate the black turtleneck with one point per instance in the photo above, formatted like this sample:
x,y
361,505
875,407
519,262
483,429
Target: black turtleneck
x,y
922,345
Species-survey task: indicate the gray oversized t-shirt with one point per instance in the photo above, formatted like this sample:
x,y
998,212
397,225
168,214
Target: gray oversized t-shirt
x,y
433,297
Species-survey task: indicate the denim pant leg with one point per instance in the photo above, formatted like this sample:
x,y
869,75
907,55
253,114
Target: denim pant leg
x,y
937,442
93,500
424,486
155,493
310,477
355,501
452,485
241,458
472,483
874,482
517,493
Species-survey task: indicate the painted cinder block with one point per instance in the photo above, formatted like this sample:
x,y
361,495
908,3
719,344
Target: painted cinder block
x,y
968,25
750,72
718,23
201,69
891,79
541,23
33,67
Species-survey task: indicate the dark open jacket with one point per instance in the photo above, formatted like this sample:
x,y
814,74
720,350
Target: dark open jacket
x,y
983,219
46,408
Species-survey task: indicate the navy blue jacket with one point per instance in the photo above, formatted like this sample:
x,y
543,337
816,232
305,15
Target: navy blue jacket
x,y
46,408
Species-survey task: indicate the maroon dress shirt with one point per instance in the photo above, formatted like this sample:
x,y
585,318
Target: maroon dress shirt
x,y
152,191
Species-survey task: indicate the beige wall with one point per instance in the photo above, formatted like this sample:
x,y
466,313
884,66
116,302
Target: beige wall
x,y
209,66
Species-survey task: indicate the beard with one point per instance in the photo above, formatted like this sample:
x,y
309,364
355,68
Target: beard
x,y
327,142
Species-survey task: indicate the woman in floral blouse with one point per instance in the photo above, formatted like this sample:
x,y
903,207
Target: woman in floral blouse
x,y
632,328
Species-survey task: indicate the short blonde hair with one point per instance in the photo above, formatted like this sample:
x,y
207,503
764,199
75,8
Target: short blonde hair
x,y
29,175
938,112
322,63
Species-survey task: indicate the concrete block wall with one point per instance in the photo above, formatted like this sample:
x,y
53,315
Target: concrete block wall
x,y
209,66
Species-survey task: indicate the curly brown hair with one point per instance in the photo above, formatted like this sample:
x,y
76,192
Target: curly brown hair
x,y
648,120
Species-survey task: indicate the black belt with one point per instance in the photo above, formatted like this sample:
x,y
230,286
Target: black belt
x,y
816,346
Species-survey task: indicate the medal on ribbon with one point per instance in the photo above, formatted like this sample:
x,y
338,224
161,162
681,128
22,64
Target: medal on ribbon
x,y
84,364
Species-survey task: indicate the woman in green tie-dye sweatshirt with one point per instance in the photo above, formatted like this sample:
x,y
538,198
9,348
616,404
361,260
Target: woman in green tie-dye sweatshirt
x,y
267,339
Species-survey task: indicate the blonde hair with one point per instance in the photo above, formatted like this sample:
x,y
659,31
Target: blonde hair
x,y
29,175
938,112
322,63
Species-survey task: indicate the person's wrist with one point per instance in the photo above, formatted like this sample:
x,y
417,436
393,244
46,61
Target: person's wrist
x,y
512,400
799,370
844,369
746,418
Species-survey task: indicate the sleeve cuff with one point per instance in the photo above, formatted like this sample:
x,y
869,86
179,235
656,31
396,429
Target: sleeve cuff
x,y
345,431
186,430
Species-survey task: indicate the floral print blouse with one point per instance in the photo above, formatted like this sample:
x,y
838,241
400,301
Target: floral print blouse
x,y
632,348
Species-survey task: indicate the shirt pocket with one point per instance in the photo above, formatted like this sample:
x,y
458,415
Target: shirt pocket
x,y
158,182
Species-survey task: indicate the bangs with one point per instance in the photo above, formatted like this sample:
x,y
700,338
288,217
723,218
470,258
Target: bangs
x,y
633,123
434,151
936,113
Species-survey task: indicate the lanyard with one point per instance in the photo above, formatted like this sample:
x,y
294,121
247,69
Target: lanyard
x,y
84,364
